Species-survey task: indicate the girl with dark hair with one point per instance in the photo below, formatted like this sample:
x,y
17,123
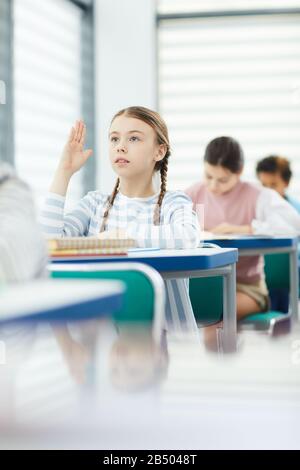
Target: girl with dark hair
x,y
234,206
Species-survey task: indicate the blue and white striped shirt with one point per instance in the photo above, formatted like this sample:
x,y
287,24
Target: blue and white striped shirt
x,y
178,228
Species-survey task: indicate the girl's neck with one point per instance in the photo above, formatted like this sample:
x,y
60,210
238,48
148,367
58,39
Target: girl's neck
x,y
137,189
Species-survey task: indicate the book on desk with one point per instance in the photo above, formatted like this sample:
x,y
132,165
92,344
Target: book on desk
x,y
89,246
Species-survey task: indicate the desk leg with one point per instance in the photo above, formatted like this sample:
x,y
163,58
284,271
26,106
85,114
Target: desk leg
x,y
294,282
229,311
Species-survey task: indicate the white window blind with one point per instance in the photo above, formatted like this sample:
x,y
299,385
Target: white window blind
x,y
237,76
47,88
183,6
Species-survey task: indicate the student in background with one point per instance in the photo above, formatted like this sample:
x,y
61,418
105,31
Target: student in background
x,y
22,248
275,172
234,206
138,148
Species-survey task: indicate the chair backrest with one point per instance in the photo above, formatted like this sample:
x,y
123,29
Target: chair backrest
x,y
144,297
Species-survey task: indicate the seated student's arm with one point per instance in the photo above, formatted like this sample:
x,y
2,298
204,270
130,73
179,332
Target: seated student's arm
x,y
22,247
226,228
275,216
180,227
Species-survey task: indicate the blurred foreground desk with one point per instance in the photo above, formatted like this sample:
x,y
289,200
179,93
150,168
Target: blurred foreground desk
x,y
59,300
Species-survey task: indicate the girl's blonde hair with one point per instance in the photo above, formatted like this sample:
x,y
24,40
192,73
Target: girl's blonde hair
x,y
154,120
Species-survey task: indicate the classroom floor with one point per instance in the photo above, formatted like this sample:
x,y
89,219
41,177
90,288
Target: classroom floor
x,y
250,399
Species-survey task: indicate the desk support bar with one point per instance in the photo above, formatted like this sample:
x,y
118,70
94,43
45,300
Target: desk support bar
x,y
229,311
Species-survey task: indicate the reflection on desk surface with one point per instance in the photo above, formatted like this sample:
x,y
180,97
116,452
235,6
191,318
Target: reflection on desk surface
x,y
138,394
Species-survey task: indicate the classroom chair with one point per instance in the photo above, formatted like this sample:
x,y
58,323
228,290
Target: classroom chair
x,y
209,309
144,300
277,320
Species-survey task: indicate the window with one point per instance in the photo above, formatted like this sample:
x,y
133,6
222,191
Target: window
x,y
232,75
6,117
47,87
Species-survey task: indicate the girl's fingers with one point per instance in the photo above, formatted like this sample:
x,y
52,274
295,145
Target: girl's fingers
x,y
80,131
71,135
83,133
77,131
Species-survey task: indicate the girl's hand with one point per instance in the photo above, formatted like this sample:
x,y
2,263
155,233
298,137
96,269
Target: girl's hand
x,y
229,228
74,156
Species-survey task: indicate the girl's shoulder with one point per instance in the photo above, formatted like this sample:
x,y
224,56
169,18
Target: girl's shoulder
x,y
251,185
251,188
176,196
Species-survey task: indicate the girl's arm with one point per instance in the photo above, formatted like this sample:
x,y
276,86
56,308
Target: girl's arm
x,y
52,218
72,159
180,227
226,228
275,216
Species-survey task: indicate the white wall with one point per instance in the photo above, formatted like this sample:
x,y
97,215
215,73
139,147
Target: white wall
x,y
125,47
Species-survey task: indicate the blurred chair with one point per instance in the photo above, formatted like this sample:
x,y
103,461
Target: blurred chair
x,y
209,310
278,319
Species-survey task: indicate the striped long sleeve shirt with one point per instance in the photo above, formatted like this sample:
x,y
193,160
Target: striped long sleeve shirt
x,y
178,229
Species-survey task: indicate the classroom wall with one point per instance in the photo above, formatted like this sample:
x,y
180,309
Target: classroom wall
x,y
125,48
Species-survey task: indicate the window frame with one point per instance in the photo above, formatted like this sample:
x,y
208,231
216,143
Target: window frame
x,y
87,105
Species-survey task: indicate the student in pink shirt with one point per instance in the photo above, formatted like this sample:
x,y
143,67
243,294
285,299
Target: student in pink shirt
x,y
234,206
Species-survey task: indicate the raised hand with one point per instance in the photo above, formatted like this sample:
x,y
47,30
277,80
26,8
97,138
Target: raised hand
x,y
72,159
74,156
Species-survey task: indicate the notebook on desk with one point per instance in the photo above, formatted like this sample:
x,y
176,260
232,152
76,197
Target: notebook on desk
x,y
89,246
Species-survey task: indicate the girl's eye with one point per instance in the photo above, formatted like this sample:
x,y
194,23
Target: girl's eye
x,y
114,139
134,138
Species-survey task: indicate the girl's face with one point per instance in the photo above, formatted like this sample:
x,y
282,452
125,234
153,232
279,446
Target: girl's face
x,y
133,147
273,181
219,180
